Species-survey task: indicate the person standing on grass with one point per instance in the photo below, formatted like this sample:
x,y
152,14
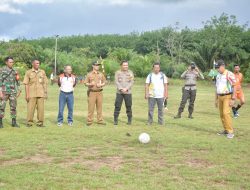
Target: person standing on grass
x,y
224,97
189,90
36,82
95,81
124,80
156,91
66,82
9,90
238,90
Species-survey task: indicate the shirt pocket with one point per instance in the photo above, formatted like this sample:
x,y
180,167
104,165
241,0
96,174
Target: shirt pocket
x,y
129,77
32,78
41,79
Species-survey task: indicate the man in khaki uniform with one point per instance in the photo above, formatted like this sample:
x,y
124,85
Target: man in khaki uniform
x,y
124,80
95,81
35,82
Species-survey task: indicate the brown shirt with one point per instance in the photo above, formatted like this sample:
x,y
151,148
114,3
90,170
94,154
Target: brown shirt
x,y
37,82
124,79
95,78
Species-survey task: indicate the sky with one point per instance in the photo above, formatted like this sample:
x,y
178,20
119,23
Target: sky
x,y
32,19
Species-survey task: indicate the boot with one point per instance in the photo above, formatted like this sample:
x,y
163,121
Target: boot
x,y
129,121
178,116
115,120
190,116
1,122
14,124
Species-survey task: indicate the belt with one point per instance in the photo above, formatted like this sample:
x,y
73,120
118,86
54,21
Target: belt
x,y
67,92
224,94
190,85
95,90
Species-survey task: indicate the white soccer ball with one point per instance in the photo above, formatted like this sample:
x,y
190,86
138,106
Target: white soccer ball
x,y
144,138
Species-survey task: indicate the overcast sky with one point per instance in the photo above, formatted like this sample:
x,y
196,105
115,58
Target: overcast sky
x,y
39,18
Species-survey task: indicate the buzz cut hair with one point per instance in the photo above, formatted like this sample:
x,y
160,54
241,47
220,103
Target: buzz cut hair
x,y
65,66
123,61
7,58
156,63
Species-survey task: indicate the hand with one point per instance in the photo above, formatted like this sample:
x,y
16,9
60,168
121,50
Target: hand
x,y
27,98
231,103
124,90
98,85
146,96
1,95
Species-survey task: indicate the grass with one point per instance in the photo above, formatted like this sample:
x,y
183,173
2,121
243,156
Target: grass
x,y
184,154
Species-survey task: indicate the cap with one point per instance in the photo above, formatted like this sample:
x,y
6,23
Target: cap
x,y
219,63
95,63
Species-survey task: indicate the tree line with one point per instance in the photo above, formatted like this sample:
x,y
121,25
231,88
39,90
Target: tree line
x,y
220,38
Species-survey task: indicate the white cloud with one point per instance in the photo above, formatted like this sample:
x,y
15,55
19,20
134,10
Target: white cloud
x,y
11,6
4,38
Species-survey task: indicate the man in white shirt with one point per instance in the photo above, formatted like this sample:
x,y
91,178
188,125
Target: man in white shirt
x,y
66,82
156,91
225,97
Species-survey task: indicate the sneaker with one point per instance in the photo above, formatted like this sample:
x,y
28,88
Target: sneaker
x,y
222,133
70,124
59,124
230,135
190,117
237,114
166,108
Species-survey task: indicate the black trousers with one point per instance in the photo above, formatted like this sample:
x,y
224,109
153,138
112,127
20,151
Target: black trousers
x,y
187,94
118,104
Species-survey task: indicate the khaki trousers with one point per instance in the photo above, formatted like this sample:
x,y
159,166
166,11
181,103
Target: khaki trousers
x,y
35,103
225,112
95,100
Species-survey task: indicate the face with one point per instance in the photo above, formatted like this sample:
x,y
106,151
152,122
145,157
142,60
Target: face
x,y
96,67
36,64
68,70
156,69
124,66
236,69
10,63
221,69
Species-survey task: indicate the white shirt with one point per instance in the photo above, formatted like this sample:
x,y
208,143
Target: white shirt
x,y
156,84
67,84
225,82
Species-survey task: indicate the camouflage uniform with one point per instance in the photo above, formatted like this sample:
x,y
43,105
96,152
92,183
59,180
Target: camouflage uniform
x,y
10,87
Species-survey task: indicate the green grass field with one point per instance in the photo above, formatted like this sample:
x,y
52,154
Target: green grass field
x,y
184,154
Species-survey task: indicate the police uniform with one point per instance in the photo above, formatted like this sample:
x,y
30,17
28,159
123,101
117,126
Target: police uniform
x,y
10,87
189,91
123,79
95,96
37,82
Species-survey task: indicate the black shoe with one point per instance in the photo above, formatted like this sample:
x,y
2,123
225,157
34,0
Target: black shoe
x,y
14,124
115,121
1,123
129,121
178,116
190,116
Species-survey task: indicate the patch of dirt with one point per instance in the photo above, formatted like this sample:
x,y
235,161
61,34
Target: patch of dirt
x,y
198,163
113,162
37,158
2,152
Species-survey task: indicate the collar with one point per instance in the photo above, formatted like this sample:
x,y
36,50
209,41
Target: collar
x,y
33,70
95,72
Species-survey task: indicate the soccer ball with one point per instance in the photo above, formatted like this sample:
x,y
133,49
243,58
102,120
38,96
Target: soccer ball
x,y
144,138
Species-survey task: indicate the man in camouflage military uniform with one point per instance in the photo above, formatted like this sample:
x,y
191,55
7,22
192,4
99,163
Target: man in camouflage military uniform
x,y
9,90
124,80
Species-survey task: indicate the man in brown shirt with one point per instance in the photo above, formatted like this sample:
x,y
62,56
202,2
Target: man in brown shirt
x,y
95,81
35,82
124,80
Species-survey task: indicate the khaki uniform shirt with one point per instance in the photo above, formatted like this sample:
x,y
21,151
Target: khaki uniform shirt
x,y
124,79
190,79
96,77
37,82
